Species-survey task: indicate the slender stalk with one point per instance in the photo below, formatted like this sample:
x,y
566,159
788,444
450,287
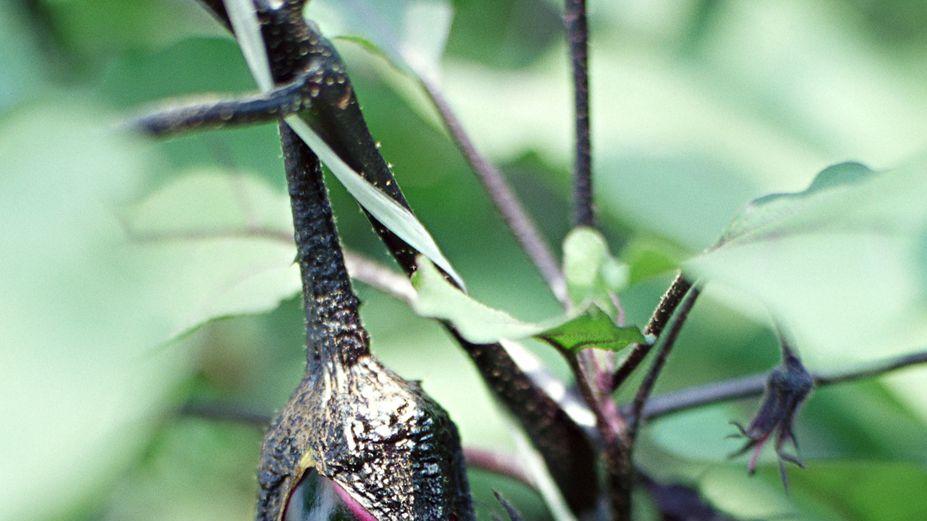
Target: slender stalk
x,y
577,30
379,276
360,267
661,315
225,412
754,385
499,464
505,199
665,347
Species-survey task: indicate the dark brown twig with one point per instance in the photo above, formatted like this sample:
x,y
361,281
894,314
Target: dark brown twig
x,y
360,267
661,315
503,197
753,385
577,31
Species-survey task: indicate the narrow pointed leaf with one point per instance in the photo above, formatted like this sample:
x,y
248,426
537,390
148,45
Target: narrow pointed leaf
x,y
384,209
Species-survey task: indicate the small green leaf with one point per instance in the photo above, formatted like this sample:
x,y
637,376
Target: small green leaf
x,y
592,274
591,328
481,324
382,207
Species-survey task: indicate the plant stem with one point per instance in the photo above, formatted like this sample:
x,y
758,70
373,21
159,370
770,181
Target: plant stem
x,y
334,330
754,385
564,445
574,18
498,463
665,346
661,315
225,412
360,267
508,205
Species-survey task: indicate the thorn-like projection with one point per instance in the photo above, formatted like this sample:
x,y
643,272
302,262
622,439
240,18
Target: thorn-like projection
x,y
510,510
787,388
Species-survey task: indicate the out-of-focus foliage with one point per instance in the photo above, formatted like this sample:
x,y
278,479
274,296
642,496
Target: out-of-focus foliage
x,y
699,106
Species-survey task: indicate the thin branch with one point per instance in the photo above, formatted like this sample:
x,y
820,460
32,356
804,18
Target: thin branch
x,y
225,412
379,276
607,426
574,18
753,385
508,205
661,315
498,463
360,267
665,347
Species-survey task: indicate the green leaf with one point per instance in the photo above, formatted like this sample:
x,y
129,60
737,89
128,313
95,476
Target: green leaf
x,y
232,236
84,382
839,262
391,214
410,33
481,324
774,208
592,274
592,328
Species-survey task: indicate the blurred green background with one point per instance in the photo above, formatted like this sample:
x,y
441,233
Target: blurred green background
x,y
698,106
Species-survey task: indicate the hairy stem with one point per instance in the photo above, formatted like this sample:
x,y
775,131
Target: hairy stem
x,y
754,385
661,315
503,197
330,303
574,18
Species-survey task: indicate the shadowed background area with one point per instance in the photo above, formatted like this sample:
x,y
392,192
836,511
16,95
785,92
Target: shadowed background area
x,y
115,249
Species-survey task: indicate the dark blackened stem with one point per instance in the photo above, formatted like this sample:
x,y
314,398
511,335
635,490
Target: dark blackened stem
x,y
754,385
577,31
668,303
564,445
664,347
503,197
333,326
